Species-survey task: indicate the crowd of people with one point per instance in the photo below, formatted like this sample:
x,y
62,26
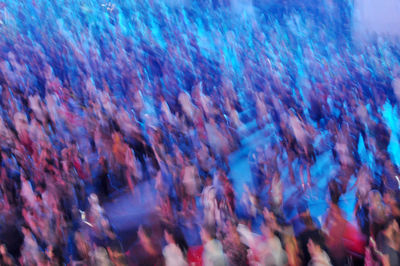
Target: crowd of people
x,y
101,98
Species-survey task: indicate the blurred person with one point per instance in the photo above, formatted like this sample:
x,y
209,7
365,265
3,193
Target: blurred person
x,y
270,251
344,149
27,193
209,201
30,251
235,250
390,199
99,256
190,181
82,254
186,105
6,259
249,203
291,247
146,251
51,257
217,141
378,212
310,230
335,226
361,211
96,212
388,241
213,254
173,254
305,149
318,256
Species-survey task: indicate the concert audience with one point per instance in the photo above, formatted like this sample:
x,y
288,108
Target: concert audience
x,y
98,100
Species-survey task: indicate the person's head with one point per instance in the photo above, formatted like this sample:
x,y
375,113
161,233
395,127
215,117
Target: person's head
x,y
313,248
315,244
116,137
269,216
3,249
207,233
93,199
38,197
374,198
144,235
50,252
25,230
23,176
209,180
169,236
72,144
389,198
391,227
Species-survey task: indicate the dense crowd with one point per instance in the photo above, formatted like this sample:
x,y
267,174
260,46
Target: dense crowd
x,y
101,98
